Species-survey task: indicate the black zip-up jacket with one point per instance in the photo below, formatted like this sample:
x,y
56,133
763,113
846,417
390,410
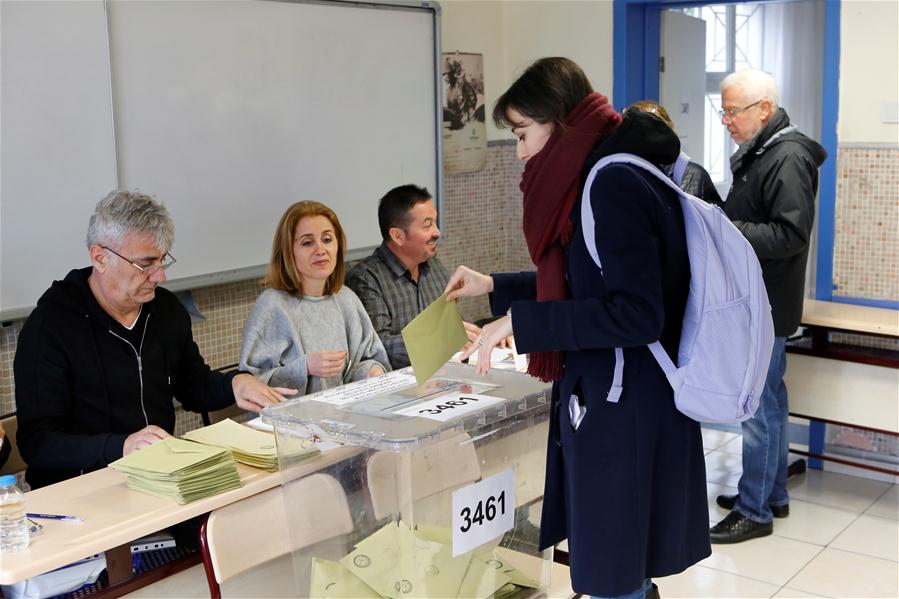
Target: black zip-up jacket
x,y
772,202
82,387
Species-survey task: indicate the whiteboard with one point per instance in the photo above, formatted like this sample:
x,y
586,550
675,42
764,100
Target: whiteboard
x,y
229,111
57,151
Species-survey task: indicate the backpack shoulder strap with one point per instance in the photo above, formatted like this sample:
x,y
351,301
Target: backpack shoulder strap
x,y
588,224
588,227
680,167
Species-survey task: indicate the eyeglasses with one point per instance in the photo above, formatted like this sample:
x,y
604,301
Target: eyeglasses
x,y
166,261
732,112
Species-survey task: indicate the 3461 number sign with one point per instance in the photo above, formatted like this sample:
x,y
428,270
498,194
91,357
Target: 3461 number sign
x,y
449,404
483,511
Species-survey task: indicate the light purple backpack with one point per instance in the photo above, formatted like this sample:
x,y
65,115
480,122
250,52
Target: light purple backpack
x,y
728,333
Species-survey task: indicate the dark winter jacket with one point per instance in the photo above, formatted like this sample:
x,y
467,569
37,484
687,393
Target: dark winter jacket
x,y
772,202
697,182
627,488
81,388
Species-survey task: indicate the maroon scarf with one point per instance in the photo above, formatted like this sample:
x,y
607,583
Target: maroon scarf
x,y
550,185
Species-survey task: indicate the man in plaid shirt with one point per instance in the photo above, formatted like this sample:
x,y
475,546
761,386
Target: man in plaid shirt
x,y
403,275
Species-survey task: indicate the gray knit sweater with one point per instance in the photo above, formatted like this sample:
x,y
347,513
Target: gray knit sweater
x,y
283,328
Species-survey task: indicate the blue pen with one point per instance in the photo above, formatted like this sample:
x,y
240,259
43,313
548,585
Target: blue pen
x,y
56,517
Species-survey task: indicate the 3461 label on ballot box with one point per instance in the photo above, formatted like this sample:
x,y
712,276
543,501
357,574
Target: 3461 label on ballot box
x,y
452,405
483,511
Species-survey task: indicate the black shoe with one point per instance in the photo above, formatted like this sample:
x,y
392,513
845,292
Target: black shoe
x,y
729,501
736,528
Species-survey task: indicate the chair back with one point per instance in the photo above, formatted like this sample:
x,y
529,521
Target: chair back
x,y
257,530
14,464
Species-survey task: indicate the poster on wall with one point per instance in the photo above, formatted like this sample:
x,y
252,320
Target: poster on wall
x,y
464,124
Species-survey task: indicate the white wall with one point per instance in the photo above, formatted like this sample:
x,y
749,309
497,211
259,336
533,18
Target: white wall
x,y
513,33
581,31
869,70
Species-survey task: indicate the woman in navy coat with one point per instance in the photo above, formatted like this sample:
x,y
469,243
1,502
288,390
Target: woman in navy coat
x,y
625,478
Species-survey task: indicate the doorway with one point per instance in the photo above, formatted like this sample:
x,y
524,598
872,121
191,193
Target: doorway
x,y
665,50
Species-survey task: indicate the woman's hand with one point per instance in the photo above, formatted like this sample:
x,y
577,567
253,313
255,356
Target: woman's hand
x,y
375,371
491,336
471,331
325,364
467,283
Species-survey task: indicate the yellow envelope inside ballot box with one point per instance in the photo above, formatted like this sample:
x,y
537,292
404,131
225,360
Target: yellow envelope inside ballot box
x,y
330,580
433,337
397,563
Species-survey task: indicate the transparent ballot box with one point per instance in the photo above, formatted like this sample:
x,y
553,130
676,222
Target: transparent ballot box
x,y
432,490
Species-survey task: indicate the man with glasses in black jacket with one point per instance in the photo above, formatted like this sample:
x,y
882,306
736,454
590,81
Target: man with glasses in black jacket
x,y
106,350
772,202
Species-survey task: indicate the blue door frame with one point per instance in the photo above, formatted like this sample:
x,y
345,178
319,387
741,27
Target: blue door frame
x,y
636,77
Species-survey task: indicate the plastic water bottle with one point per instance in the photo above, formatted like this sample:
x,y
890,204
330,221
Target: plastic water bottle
x,y
13,521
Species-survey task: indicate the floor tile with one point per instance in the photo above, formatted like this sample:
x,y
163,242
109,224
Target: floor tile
x,y
713,439
771,559
844,492
858,472
723,468
887,506
700,582
269,581
813,523
870,535
734,446
836,573
786,593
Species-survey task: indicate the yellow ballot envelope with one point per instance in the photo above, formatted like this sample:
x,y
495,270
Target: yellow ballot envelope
x,y
330,580
433,337
247,445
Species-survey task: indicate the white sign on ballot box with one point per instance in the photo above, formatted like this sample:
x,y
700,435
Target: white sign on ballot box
x,y
483,511
447,407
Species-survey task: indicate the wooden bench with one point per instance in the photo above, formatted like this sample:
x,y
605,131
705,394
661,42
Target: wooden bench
x,y
833,382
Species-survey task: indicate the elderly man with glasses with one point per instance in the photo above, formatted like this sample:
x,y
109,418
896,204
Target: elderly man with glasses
x,y
106,350
772,202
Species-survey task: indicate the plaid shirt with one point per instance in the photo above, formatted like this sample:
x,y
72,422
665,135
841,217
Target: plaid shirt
x,y
392,299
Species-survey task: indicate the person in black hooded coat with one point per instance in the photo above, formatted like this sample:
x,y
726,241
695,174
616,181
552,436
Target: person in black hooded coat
x,y
625,479
689,176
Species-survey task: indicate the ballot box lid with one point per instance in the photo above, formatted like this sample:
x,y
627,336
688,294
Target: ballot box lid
x,y
393,413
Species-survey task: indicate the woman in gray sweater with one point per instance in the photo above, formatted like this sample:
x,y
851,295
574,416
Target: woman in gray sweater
x,y
307,330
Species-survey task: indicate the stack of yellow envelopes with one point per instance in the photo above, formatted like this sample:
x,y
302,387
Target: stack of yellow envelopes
x,y
249,446
180,470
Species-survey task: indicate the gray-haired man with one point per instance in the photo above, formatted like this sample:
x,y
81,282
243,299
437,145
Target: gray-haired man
x,y
772,202
105,351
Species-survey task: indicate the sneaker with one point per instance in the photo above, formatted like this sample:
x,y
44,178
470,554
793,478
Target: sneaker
x,y
736,528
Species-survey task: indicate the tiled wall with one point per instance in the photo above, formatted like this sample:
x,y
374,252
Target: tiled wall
x,y
866,245
866,257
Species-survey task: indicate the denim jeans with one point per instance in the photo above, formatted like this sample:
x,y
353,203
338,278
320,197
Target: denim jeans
x,y
640,593
766,445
